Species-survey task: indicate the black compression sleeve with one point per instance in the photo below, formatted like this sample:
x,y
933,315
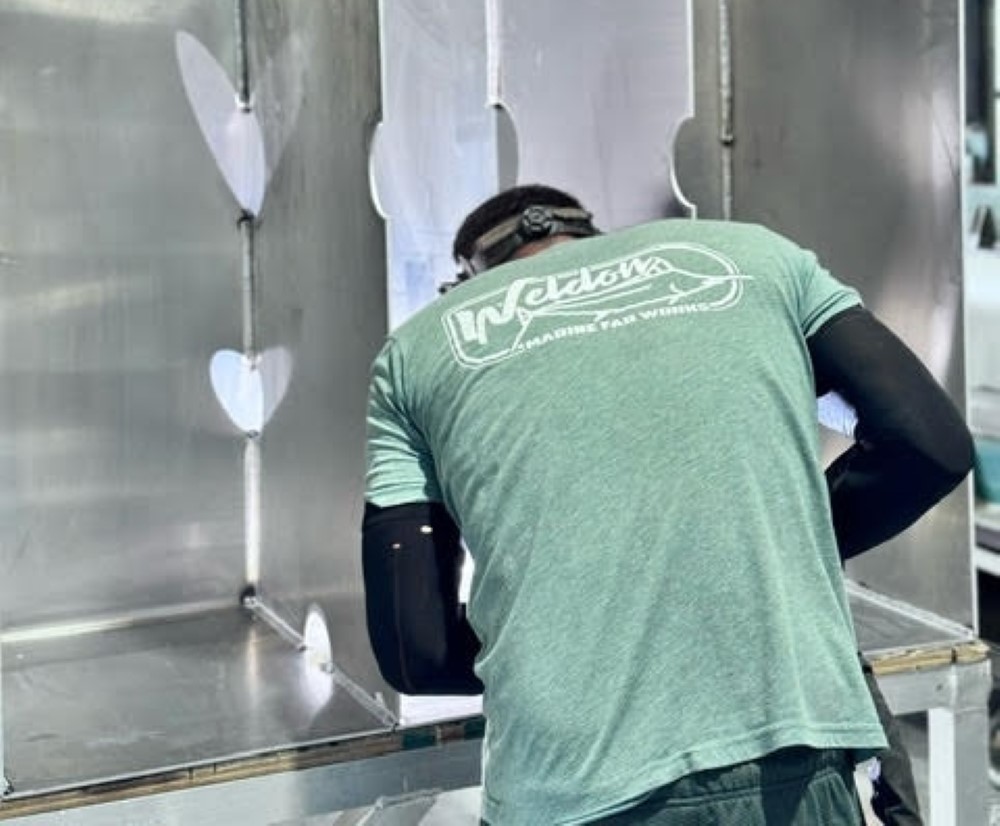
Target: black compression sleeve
x,y
412,560
912,444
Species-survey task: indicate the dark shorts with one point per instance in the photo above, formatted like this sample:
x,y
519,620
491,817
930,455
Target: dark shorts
x,y
791,787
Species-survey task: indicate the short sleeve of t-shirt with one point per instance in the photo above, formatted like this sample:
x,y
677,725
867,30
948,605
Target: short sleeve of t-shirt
x,y
399,464
821,296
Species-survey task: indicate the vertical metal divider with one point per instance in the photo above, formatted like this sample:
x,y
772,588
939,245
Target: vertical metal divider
x,y
251,598
726,134
252,443
247,226
504,126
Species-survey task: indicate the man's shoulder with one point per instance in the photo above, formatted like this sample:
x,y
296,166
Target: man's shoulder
x,y
706,231
707,226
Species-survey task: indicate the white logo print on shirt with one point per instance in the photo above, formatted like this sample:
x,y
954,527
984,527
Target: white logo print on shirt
x,y
660,281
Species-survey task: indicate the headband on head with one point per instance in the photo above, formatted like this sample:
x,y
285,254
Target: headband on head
x,y
534,223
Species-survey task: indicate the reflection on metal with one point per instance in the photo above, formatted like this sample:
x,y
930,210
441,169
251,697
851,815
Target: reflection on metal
x,y
103,624
245,129
879,202
434,155
316,638
136,13
317,650
596,97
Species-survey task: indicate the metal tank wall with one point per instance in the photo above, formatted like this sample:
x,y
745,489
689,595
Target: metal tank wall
x,y
319,254
845,134
126,265
192,289
120,490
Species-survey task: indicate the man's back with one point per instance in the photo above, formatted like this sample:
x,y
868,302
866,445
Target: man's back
x,y
624,429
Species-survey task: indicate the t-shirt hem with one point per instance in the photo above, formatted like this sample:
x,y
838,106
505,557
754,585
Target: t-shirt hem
x,y
861,741
834,305
400,496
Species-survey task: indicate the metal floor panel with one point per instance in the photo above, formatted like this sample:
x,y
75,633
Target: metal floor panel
x,y
883,624
149,698
157,696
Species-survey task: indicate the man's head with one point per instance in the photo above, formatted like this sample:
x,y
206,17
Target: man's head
x,y
517,222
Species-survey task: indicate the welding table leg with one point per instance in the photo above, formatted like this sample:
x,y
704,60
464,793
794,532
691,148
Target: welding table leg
x,y
955,698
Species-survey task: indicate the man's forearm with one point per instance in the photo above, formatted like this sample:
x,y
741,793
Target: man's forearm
x,y
422,640
913,446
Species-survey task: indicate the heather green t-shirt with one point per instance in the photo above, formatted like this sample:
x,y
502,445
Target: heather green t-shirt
x,y
624,429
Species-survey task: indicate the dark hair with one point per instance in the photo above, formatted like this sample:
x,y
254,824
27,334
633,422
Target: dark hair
x,y
505,205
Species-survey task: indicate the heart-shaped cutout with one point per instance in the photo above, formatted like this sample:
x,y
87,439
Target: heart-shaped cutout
x,y
233,133
250,390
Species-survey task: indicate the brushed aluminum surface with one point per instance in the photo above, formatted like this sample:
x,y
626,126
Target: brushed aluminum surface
x,y
120,486
847,138
435,153
137,357
596,92
153,697
320,283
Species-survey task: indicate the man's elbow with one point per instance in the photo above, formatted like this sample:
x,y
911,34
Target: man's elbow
x,y
416,672
393,672
413,677
939,471
955,459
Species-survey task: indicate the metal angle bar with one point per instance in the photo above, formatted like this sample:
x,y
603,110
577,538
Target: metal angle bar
x,y
242,59
726,133
260,609
248,284
252,510
958,631
249,300
494,45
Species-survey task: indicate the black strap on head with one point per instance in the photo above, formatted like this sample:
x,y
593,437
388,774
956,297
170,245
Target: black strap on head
x,y
534,223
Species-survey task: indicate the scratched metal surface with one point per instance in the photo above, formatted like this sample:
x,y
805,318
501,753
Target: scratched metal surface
x,y
158,696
